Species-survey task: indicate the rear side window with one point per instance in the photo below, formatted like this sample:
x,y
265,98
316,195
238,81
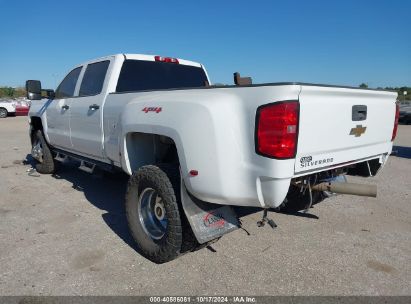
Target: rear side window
x,y
68,85
138,75
93,78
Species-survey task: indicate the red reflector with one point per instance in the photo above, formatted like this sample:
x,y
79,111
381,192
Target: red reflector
x,y
397,116
193,172
166,59
277,129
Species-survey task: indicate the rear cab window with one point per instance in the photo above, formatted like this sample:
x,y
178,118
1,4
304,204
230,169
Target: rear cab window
x,y
93,78
140,75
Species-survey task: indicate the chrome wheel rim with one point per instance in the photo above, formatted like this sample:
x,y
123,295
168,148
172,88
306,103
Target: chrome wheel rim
x,y
152,214
3,113
37,151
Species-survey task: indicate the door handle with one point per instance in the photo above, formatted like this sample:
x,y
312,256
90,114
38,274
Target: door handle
x,y
65,107
94,107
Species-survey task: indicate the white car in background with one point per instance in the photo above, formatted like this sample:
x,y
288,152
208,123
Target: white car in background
x,y
7,107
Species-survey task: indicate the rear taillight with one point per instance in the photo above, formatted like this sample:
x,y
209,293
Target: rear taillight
x,y
166,59
397,116
277,129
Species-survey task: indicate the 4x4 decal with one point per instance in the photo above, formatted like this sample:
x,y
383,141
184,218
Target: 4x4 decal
x,y
152,109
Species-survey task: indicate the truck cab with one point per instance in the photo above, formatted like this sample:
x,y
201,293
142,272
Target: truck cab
x,y
75,115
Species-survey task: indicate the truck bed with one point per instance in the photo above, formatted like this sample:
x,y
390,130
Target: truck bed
x,y
214,131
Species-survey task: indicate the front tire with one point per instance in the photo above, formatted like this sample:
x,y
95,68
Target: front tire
x,y
3,113
155,218
40,151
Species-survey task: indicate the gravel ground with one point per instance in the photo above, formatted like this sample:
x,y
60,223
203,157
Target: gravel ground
x,y
66,235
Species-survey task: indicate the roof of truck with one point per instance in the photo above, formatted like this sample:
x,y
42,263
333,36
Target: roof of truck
x,y
144,57
152,58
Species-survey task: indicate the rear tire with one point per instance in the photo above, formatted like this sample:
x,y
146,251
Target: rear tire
x,y
3,113
291,207
154,214
297,201
42,154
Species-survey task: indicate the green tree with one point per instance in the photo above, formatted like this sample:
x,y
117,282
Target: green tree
x,y
363,85
19,92
6,92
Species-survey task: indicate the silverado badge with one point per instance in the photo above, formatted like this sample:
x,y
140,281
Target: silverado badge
x,y
358,130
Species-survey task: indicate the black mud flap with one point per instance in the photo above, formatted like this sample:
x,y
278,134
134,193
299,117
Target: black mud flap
x,y
208,221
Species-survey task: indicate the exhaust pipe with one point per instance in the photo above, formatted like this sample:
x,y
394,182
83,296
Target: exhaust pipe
x,y
347,188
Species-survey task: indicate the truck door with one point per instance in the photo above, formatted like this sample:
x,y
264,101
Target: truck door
x,y
86,111
58,111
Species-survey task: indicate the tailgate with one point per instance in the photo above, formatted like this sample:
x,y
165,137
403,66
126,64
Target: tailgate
x,y
340,125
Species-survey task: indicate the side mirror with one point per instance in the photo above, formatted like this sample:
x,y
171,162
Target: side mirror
x,y
33,88
50,94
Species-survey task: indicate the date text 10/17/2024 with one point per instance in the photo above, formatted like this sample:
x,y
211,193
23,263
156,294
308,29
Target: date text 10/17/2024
x,y
203,299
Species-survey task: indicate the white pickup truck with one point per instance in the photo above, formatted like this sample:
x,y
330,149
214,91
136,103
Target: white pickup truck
x,y
194,150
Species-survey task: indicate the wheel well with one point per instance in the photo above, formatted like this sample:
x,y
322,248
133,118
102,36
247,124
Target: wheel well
x,y
36,124
148,149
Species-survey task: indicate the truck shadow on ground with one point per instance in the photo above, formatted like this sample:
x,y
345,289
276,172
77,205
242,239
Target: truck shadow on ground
x,y
244,211
106,191
399,151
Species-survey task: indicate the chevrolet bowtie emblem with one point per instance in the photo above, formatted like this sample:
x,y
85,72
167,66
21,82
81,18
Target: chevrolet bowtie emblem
x,y
358,130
